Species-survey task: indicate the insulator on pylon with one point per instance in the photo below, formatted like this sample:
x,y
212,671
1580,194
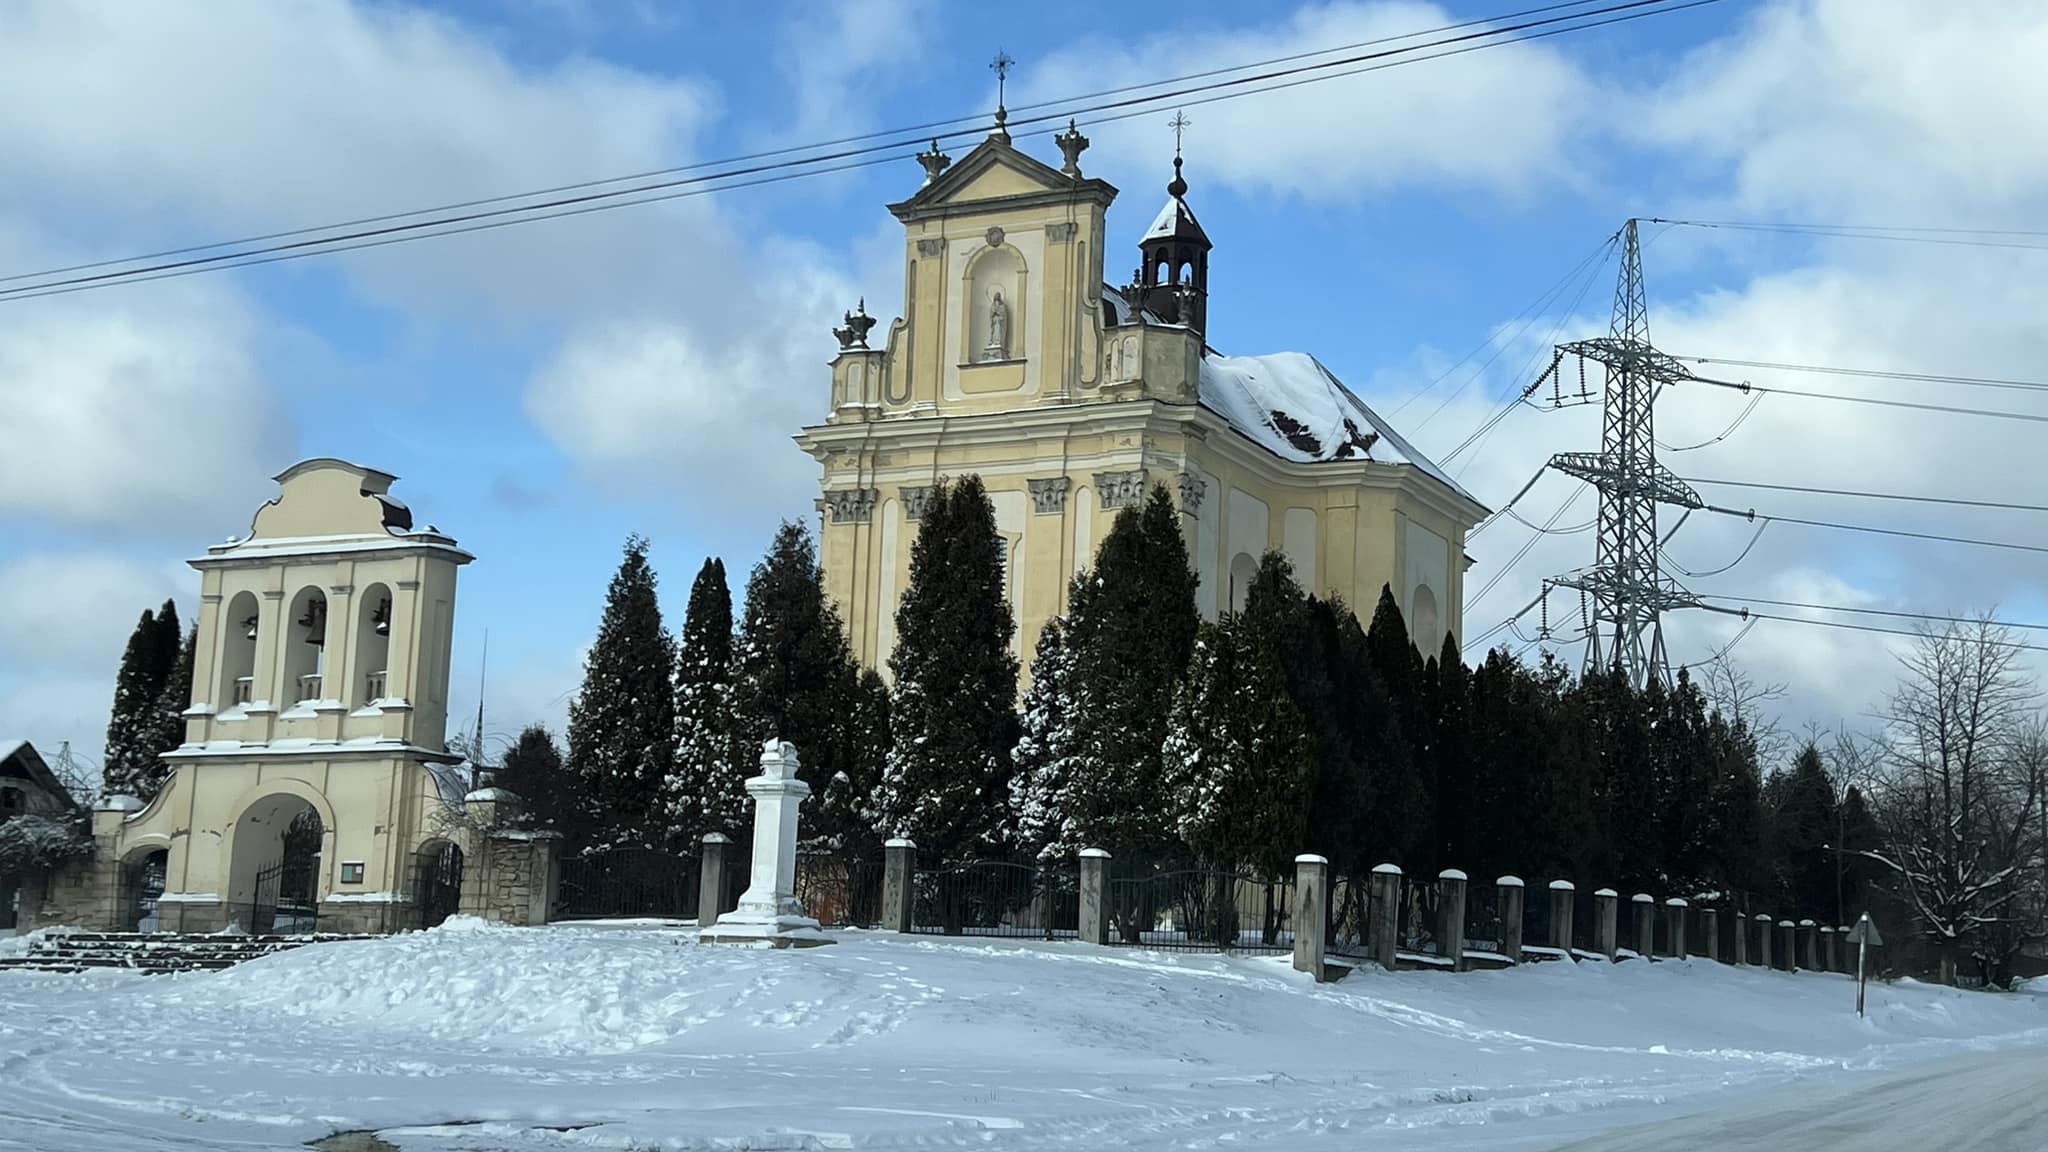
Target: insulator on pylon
x,y
1583,393
1543,615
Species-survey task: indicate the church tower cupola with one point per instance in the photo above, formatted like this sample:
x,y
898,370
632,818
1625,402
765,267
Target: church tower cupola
x,y
1173,280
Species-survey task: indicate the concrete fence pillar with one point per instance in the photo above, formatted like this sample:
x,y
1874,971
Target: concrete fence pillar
x,y
1094,896
1809,946
899,885
1845,952
1562,896
1643,919
1384,929
1740,936
1763,940
1605,940
1786,947
714,864
1827,948
1674,927
1508,899
1710,927
1450,916
1311,913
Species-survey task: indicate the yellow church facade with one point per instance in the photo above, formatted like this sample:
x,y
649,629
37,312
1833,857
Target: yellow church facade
x,y
1015,360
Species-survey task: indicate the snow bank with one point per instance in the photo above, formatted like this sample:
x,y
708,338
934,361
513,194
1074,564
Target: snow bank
x,y
887,1041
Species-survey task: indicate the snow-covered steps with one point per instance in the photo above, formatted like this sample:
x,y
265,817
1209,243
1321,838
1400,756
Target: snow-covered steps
x,y
152,952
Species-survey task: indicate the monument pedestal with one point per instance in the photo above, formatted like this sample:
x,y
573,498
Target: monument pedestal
x,y
769,914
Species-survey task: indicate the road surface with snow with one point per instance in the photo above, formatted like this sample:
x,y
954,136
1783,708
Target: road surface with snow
x,y
479,1037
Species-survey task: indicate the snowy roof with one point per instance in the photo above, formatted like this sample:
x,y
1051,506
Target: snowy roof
x,y
1291,405
499,795
1175,221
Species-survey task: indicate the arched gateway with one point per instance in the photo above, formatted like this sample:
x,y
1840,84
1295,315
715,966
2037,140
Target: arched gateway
x,y
314,779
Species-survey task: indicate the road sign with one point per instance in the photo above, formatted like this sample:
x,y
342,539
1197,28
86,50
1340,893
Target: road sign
x,y
1863,935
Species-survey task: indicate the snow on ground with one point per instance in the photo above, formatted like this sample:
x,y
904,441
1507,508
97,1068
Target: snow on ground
x,y
476,1036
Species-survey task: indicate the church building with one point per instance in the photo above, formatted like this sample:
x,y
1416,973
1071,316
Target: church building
x,y
1071,397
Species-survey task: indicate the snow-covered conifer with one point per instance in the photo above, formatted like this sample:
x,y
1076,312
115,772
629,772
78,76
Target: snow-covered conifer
x,y
134,731
953,724
622,723
1047,756
704,791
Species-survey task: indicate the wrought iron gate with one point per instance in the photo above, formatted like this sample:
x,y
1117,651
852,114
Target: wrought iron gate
x,y
285,899
437,885
627,882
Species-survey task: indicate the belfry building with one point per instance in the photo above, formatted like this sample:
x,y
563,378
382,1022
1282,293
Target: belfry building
x,y
1015,359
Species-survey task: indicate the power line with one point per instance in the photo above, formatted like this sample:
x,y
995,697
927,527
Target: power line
x,y
918,130
1851,492
1504,569
1839,232
1269,81
1994,413
2014,644
1934,617
2008,544
1877,373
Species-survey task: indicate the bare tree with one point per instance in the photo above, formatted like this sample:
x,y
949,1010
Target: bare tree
x,y
1742,700
1942,790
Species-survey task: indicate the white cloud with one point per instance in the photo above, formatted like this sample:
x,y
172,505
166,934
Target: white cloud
x,y
1496,119
146,413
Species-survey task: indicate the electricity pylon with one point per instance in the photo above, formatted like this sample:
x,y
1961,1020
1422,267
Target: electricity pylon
x,y
1629,595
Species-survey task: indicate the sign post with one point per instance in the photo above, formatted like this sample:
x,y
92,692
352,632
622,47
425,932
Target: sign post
x,y
1863,935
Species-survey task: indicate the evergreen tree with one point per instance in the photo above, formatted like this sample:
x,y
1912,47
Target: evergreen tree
x,y
865,751
794,679
622,724
705,790
1047,755
946,783
1451,748
532,769
1802,826
1130,628
1240,758
167,719
1406,781
134,727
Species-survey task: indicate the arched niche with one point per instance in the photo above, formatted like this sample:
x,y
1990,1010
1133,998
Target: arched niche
x,y
1242,570
373,646
994,332
240,628
305,646
1429,627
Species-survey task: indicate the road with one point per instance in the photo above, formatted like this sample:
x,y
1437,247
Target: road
x,y
1985,1102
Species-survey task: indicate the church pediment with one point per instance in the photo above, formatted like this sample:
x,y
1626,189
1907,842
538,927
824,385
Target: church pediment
x,y
996,174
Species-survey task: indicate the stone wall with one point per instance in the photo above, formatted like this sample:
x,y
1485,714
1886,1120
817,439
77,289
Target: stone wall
x,y
81,894
516,882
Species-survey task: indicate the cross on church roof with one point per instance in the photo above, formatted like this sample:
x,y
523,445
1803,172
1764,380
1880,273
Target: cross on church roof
x,y
1179,124
1001,66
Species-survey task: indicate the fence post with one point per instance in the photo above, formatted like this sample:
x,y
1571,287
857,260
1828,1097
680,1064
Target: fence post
x,y
1450,916
1508,899
1562,895
715,858
1809,946
1827,948
1674,919
899,885
1763,940
1604,927
1094,896
1643,918
1843,953
1710,927
1786,947
1311,914
1385,930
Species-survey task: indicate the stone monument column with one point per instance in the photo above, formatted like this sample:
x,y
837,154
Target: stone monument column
x,y
769,912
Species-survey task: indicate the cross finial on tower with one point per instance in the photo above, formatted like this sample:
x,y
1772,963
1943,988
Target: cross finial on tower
x,y
1001,66
1179,124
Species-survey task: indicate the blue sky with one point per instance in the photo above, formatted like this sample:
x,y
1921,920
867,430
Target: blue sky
x,y
545,390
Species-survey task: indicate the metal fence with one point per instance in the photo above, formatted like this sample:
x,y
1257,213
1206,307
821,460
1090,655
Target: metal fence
x,y
839,892
1419,923
285,900
998,898
1536,917
436,886
627,882
1350,929
1482,918
1201,910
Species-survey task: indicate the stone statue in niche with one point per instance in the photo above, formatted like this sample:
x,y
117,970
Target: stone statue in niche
x,y
998,347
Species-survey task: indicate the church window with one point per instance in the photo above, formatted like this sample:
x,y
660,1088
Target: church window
x,y
1242,569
